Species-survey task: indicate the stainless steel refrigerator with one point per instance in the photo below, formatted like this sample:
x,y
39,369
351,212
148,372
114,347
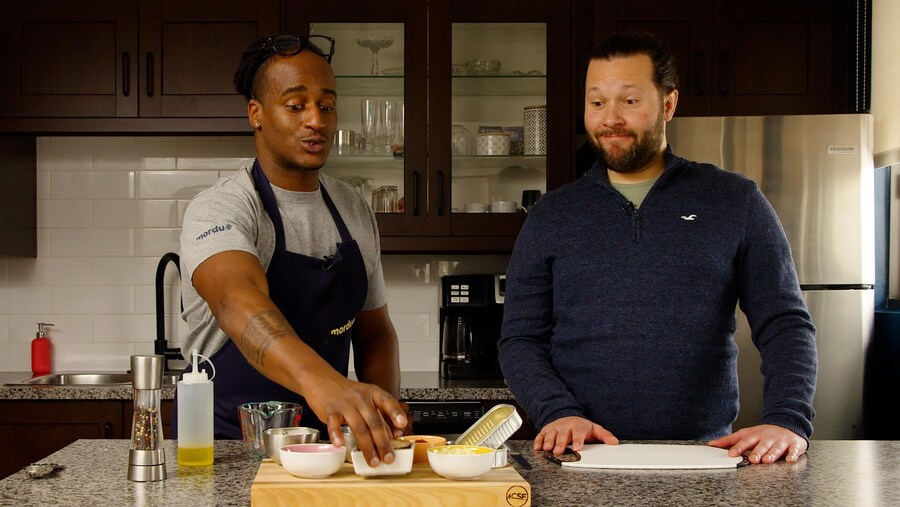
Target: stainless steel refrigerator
x,y
818,173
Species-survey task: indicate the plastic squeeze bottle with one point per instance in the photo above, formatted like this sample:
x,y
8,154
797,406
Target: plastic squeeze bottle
x,y
41,351
195,416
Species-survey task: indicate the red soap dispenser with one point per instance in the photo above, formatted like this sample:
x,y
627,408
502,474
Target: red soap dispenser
x,y
40,351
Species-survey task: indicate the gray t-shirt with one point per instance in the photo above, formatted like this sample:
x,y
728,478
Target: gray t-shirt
x,y
230,216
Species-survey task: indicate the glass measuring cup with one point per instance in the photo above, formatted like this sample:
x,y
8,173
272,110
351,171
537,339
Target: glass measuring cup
x,y
257,417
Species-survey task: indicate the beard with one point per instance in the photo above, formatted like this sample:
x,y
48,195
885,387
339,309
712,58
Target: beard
x,y
641,153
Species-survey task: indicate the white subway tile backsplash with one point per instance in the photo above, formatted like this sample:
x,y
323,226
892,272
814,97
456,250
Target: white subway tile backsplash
x,y
173,184
413,299
50,271
216,147
182,206
134,213
43,184
92,185
145,298
418,357
412,327
221,163
156,242
125,328
90,242
124,270
132,154
25,299
16,356
67,328
63,213
4,328
109,207
92,300
63,154
95,356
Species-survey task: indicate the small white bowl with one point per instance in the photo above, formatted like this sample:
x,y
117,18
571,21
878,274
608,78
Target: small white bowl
x,y
461,462
312,461
402,465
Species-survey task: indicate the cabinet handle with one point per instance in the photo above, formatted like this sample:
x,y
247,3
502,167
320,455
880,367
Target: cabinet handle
x,y
725,74
440,210
701,55
149,74
415,192
126,74
108,430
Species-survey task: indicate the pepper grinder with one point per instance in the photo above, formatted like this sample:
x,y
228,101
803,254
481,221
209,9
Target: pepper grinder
x,y
147,458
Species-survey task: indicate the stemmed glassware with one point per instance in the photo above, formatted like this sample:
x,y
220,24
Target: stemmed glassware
x,y
374,44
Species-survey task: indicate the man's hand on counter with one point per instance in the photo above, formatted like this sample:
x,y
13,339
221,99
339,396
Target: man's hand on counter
x,y
558,434
767,441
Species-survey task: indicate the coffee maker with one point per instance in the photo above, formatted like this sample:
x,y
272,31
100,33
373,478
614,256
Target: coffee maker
x,y
471,315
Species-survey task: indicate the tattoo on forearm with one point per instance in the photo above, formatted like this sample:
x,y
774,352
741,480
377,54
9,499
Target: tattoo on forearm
x,y
259,333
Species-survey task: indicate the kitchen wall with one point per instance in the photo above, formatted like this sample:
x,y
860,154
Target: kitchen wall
x,y
108,208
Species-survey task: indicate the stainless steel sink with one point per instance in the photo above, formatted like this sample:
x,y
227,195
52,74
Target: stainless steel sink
x,y
90,379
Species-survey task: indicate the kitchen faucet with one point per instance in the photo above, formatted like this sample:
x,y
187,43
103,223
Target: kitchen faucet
x,y
160,346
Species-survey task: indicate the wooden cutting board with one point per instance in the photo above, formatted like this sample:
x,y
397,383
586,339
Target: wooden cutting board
x,y
502,487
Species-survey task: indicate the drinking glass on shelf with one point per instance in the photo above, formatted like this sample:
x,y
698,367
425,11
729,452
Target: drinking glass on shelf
x,y
370,112
388,125
384,199
400,125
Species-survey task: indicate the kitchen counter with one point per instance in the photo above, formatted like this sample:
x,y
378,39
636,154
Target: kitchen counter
x,y
834,472
413,386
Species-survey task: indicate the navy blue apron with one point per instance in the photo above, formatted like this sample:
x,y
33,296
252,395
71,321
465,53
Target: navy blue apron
x,y
320,299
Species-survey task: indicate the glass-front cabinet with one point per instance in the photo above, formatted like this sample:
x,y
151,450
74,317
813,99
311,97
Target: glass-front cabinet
x,y
454,117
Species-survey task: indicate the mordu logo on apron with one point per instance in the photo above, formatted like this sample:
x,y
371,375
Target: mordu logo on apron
x,y
343,329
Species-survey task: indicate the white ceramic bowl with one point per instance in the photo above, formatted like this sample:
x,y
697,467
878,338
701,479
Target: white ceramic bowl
x,y
461,462
402,465
312,461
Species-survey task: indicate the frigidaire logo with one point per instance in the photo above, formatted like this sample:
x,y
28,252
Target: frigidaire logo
x,y
517,496
215,229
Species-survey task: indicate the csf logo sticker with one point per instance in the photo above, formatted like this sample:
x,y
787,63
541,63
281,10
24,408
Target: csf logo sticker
x,y
517,496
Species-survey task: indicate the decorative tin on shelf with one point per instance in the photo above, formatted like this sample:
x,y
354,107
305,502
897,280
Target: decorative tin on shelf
x,y
535,118
495,143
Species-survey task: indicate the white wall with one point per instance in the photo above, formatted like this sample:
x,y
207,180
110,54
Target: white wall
x,y
108,208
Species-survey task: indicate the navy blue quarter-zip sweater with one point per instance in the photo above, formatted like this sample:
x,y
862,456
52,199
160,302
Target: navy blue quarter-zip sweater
x,y
626,316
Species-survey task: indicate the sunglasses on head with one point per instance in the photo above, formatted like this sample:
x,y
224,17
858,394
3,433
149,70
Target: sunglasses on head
x,y
289,45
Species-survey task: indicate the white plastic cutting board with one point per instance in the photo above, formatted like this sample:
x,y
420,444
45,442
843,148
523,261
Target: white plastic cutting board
x,y
653,456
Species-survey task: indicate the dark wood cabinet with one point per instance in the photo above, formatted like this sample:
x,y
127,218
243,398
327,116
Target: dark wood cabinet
x,y
31,430
436,98
189,51
69,58
764,57
71,66
18,196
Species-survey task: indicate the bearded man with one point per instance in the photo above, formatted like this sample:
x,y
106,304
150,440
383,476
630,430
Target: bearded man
x,y
619,317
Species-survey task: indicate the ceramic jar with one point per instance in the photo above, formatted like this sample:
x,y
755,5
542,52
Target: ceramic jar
x,y
493,143
535,118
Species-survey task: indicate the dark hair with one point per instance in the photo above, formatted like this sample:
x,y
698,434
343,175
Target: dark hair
x,y
247,76
254,57
641,43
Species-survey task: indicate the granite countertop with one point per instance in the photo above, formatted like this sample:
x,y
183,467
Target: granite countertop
x,y
843,472
416,385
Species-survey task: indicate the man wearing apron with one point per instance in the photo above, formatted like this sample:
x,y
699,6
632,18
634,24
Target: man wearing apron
x,y
281,265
